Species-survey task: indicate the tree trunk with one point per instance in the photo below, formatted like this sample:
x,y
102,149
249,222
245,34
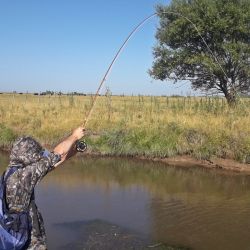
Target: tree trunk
x,y
231,98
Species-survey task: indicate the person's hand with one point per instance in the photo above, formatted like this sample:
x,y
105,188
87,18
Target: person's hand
x,y
78,133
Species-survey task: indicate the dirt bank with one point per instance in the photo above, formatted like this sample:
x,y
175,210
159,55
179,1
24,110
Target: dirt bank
x,y
184,161
214,163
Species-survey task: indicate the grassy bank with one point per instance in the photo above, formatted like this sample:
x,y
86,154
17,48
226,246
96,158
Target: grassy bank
x,y
134,125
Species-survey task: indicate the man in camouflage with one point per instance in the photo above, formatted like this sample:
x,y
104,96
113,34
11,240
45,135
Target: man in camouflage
x,y
33,164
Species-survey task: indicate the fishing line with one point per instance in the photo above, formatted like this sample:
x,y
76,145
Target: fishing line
x,y
124,44
111,65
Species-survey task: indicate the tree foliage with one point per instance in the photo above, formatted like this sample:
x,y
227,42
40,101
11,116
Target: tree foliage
x,y
181,53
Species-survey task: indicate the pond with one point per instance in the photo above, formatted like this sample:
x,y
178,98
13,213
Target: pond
x,y
113,203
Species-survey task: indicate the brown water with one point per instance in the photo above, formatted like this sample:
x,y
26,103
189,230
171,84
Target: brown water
x,y
90,203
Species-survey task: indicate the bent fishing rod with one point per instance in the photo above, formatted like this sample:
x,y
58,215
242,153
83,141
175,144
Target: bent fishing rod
x,y
119,52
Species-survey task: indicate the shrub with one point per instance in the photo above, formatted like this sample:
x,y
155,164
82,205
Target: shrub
x,y
7,136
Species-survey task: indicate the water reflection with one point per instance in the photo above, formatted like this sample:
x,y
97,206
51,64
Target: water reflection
x,y
195,208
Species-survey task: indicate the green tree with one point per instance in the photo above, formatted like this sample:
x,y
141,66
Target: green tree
x,y
181,53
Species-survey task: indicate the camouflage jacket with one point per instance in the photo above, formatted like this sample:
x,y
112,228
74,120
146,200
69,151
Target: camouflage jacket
x,y
21,184
33,164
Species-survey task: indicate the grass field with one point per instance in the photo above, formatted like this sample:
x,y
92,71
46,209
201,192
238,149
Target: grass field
x,y
133,125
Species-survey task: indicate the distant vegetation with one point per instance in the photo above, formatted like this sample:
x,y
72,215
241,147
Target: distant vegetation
x,y
49,92
148,126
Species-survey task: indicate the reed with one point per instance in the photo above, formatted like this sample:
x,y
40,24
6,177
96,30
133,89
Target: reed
x,y
134,125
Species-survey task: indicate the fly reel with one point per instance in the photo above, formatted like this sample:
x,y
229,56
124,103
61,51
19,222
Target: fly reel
x,y
81,146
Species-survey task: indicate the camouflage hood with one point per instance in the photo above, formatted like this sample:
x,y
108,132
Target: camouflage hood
x,y
25,151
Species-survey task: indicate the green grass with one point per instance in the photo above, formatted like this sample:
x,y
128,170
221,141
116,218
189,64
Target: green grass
x,y
7,136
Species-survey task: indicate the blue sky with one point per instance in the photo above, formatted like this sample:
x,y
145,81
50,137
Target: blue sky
x,y
67,46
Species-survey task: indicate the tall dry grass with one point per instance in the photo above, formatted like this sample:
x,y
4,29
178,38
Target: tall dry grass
x,y
145,125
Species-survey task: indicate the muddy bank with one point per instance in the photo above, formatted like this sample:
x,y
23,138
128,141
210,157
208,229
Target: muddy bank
x,y
184,161
187,162
214,163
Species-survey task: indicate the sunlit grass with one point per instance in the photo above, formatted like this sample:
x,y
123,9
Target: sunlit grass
x,y
134,125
